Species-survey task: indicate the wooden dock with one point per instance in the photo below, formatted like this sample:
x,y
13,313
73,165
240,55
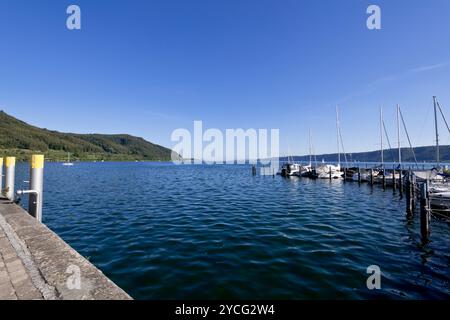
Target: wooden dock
x,y
37,264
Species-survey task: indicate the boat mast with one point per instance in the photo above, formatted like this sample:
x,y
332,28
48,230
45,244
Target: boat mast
x,y
337,130
310,149
381,136
437,132
398,135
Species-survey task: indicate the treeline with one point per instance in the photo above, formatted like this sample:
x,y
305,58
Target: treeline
x,y
20,139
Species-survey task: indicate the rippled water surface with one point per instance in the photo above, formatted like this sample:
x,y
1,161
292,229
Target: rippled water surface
x,y
162,231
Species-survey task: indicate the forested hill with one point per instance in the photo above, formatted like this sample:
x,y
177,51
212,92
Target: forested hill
x,y
427,154
20,139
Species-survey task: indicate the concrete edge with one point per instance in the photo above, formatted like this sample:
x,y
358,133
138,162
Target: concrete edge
x,y
56,269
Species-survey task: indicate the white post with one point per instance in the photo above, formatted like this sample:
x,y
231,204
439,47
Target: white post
x,y
37,184
10,165
1,173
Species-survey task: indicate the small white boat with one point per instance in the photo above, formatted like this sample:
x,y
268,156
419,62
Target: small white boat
x,y
428,175
290,169
68,163
440,199
324,172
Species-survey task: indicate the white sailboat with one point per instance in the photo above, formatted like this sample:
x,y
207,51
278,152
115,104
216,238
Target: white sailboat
x,y
68,163
305,171
326,171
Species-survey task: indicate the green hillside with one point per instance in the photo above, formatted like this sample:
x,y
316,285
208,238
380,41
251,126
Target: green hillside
x,y
20,139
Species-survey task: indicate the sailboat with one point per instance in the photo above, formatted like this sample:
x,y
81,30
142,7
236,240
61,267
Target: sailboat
x,y
327,171
391,177
68,163
305,171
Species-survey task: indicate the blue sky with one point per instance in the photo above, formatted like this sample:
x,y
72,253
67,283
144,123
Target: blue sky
x,y
149,67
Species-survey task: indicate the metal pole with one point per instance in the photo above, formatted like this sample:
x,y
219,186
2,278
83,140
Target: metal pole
x,y
338,133
437,132
381,136
10,165
37,183
398,135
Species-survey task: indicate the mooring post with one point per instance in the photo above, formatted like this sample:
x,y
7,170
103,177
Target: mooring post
x,y
394,183
37,184
345,174
371,177
253,170
359,175
384,179
1,173
424,211
400,181
10,165
330,173
409,195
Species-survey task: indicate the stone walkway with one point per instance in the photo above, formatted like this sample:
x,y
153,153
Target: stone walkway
x,y
15,282
35,263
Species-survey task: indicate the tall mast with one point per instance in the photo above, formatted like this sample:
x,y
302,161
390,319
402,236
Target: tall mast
x,y
310,149
381,136
437,132
398,136
337,131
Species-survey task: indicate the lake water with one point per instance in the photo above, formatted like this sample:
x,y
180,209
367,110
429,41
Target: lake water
x,y
162,231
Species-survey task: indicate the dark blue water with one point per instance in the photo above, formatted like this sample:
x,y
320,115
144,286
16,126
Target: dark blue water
x,y
162,231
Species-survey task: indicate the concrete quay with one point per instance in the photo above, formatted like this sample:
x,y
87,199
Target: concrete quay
x,y
36,264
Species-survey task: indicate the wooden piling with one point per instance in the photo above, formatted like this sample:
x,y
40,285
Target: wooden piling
x,y
400,181
424,211
371,177
394,183
384,179
330,174
359,175
409,195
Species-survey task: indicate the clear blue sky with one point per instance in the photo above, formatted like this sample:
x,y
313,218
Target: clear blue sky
x,y
149,67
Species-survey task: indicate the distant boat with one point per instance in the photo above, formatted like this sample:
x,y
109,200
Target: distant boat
x,y
68,163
